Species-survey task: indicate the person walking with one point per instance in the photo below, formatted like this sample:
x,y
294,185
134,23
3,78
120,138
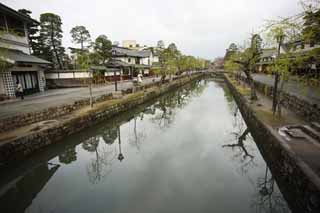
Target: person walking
x,y
19,90
139,78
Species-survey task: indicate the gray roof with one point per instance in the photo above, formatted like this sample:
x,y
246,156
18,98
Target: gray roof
x,y
14,56
7,10
114,63
121,51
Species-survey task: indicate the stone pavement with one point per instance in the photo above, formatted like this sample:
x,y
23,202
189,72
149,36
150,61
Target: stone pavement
x,y
56,97
308,93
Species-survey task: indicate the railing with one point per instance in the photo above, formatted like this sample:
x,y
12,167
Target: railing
x,y
13,38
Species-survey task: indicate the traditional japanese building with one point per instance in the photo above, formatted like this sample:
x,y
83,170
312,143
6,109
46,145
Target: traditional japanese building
x,y
17,63
266,61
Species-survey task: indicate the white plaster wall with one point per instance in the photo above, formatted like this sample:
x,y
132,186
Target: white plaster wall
x,y
42,80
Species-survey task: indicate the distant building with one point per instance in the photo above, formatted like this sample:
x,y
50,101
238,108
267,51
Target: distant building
x,y
138,60
19,65
130,44
266,60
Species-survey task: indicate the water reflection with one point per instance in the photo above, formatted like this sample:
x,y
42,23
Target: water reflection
x,y
241,142
268,197
18,194
158,157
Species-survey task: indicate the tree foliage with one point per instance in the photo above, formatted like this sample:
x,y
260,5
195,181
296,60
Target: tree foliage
x,y
103,47
51,39
80,35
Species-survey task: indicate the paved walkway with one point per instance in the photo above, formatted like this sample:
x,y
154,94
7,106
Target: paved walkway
x,y
309,93
56,97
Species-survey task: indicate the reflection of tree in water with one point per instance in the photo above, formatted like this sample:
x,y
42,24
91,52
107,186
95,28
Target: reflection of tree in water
x,y
268,198
109,135
240,136
100,166
139,136
166,108
68,156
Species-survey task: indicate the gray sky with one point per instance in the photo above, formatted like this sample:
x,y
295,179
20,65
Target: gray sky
x,y
203,28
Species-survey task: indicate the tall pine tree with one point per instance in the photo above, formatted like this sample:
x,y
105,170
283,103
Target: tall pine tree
x,y
51,39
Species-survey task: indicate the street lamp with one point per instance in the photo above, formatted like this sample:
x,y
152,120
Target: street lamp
x,y
90,86
113,53
120,156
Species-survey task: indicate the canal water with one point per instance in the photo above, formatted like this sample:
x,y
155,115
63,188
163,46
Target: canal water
x,y
188,151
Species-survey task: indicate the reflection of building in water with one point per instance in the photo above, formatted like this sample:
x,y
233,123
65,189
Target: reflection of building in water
x,y
17,195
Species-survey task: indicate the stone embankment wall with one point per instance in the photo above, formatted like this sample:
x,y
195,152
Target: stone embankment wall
x,y
307,110
297,182
50,113
17,149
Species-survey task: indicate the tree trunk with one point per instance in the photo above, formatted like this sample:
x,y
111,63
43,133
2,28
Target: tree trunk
x,y
251,84
275,87
275,93
280,98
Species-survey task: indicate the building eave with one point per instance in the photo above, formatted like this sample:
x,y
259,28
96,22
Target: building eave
x,y
16,14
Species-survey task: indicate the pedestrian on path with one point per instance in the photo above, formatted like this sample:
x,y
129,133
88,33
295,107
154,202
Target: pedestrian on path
x,y
139,78
19,90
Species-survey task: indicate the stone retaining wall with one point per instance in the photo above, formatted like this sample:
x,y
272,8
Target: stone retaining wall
x,y
298,183
19,148
50,113
303,108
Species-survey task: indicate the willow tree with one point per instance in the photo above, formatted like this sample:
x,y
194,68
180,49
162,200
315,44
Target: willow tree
x,y
169,61
247,60
278,32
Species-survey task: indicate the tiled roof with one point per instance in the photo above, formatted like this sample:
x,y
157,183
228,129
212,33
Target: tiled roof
x,y
13,56
121,51
7,10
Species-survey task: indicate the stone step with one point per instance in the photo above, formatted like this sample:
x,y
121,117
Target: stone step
x,y
311,132
316,126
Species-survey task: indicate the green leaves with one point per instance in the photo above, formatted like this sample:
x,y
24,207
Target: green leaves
x,y
51,38
80,35
103,47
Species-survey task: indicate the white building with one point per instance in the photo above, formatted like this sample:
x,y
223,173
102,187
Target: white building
x,y
19,65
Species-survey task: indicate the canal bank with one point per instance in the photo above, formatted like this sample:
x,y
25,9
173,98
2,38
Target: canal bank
x,y
182,152
299,183
24,141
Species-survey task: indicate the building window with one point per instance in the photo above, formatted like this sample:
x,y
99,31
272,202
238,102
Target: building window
x,y
129,60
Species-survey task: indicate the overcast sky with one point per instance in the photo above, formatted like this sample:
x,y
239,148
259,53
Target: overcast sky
x,y
203,28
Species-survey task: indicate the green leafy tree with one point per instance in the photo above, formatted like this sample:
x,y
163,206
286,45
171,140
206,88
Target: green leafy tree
x,y
80,35
103,48
169,61
51,38
248,59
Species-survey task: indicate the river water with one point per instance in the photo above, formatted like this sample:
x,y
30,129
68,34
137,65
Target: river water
x,y
188,151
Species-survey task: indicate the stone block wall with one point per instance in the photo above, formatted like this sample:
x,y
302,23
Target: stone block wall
x,y
298,183
303,108
47,114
